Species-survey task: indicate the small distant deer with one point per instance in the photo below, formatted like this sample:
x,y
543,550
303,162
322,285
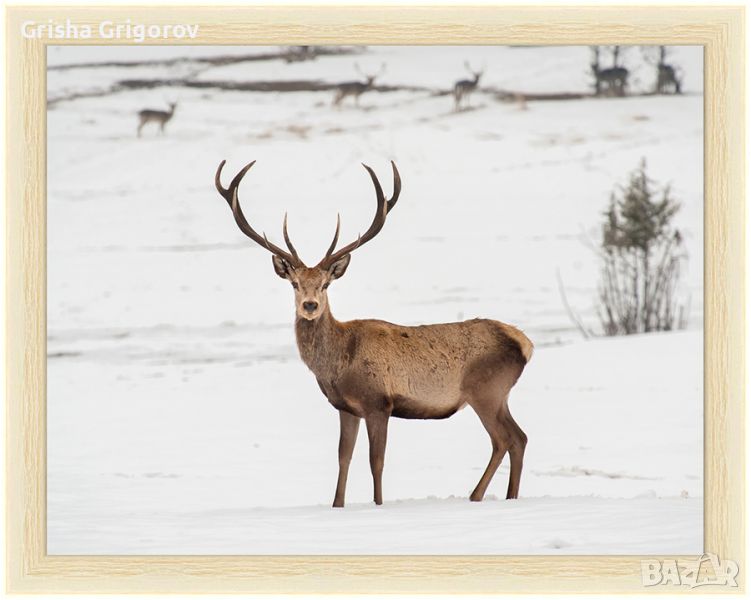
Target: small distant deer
x,y
615,78
464,87
162,117
667,75
356,88
374,370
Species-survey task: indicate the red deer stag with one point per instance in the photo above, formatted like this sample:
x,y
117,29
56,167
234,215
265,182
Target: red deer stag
x,y
667,76
464,87
160,117
614,78
357,88
373,370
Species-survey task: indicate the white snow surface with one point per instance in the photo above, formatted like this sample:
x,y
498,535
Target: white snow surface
x,y
180,417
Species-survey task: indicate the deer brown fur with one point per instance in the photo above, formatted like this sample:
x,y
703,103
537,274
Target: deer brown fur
x,y
161,117
372,370
356,88
464,87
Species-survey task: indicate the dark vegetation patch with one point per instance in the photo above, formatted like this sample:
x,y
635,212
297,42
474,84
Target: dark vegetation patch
x,y
210,61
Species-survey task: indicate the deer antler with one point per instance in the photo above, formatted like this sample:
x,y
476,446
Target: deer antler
x,y
383,207
370,75
472,71
230,195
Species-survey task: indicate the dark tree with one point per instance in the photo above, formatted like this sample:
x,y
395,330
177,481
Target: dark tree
x,y
641,258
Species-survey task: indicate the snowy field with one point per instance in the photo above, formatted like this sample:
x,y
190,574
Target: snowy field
x,y
180,417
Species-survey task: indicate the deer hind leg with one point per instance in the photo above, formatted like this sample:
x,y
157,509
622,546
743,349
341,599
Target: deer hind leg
x,y
377,425
141,123
348,427
516,453
500,439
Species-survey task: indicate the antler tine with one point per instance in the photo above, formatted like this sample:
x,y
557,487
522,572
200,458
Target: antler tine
x,y
230,195
218,181
267,243
332,246
397,187
288,241
226,193
245,227
382,209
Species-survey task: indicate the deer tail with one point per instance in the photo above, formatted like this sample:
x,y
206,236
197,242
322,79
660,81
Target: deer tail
x,y
525,344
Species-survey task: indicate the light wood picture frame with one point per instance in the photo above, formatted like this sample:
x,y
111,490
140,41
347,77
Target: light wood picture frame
x,y
720,31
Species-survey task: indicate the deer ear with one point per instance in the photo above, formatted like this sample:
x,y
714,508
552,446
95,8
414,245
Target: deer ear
x,y
340,266
281,266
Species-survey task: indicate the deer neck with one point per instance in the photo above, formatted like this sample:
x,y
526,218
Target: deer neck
x,y
320,342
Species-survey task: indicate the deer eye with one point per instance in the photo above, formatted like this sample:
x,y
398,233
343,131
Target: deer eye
x,y
295,285
324,286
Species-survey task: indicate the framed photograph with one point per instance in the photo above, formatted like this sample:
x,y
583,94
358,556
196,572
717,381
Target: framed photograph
x,y
536,215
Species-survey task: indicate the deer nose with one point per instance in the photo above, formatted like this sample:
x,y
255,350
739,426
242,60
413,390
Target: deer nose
x,y
310,305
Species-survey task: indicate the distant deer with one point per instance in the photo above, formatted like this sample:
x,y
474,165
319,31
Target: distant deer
x,y
615,78
374,370
356,88
162,117
464,87
667,75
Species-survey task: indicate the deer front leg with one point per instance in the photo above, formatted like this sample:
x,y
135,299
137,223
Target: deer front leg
x,y
348,426
377,425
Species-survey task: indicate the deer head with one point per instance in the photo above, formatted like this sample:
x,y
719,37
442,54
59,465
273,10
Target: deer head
x,y
475,74
309,283
172,106
371,77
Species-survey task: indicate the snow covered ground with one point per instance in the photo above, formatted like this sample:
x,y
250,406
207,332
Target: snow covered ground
x,y
180,418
